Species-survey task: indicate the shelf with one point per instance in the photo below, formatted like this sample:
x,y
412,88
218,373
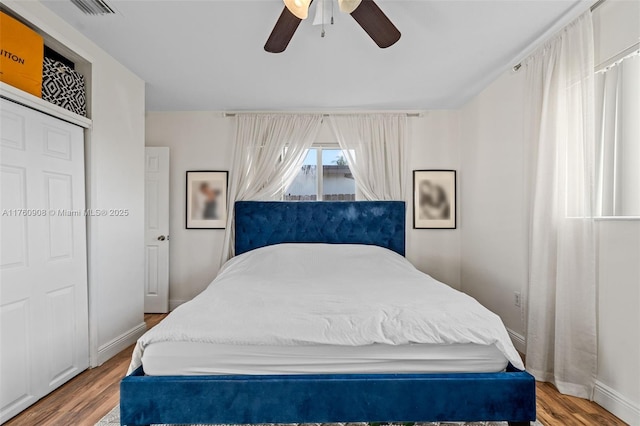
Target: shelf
x,y
34,102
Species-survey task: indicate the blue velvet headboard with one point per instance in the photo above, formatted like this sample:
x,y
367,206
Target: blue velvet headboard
x,y
264,223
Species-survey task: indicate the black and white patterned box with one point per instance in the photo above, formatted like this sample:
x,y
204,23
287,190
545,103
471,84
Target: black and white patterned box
x,y
63,86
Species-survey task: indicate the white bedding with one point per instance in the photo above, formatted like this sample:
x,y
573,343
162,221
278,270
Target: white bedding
x,y
318,294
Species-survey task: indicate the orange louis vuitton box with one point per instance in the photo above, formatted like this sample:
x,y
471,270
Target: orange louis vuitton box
x,y
21,55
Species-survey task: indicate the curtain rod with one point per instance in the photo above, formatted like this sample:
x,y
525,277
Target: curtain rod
x,y
408,114
561,23
597,5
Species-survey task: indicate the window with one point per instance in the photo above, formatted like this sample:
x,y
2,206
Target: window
x,y
335,183
618,137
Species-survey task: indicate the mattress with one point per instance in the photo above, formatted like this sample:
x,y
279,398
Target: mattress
x,y
321,296
197,358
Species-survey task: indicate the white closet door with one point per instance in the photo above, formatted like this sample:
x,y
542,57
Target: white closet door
x,y
43,261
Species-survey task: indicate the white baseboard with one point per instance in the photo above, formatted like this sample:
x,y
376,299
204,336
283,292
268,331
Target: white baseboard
x,y
517,340
175,303
617,404
120,343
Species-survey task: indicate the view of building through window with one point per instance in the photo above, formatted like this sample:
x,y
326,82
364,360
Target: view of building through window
x,y
335,183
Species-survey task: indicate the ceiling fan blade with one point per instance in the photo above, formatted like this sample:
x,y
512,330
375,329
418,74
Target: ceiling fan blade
x,y
376,24
283,31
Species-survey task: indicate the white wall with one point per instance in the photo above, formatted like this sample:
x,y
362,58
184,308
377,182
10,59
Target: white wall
x,y
197,141
494,220
617,29
495,242
116,244
495,224
435,144
619,318
203,141
617,33
115,180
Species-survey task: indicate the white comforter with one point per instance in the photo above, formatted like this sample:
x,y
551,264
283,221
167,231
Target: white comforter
x,y
297,294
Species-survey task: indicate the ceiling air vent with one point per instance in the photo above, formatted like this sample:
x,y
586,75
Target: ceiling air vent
x,y
93,7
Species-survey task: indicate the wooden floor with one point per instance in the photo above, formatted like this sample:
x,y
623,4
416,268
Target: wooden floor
x,y
92,394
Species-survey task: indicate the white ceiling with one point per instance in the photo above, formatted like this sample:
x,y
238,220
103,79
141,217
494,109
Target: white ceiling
x,y
208,54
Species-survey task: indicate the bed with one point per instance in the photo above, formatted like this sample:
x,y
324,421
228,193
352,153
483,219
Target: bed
x,y
325,387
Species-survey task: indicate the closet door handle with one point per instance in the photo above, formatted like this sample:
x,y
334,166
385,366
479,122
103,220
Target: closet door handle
x,y
161,238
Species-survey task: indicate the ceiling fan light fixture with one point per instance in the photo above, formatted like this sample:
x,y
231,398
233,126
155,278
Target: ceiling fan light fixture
x,y
348,6
300,8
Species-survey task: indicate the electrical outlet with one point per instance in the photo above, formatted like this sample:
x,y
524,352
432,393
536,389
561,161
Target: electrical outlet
x,y
517,298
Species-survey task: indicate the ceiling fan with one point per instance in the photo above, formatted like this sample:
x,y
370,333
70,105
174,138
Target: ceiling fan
x,y
366,13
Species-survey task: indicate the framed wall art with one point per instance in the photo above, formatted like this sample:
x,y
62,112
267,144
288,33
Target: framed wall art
x,y
206,203
434,199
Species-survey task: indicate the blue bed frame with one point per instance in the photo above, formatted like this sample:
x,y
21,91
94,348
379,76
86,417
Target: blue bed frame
x,y
326,398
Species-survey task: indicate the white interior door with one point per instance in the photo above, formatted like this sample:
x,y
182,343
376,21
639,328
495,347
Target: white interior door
x,y
43,261
156,194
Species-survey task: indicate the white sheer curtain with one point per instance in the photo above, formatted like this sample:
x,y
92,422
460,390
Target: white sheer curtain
x,y
268,152
561,318
375,146
618,133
